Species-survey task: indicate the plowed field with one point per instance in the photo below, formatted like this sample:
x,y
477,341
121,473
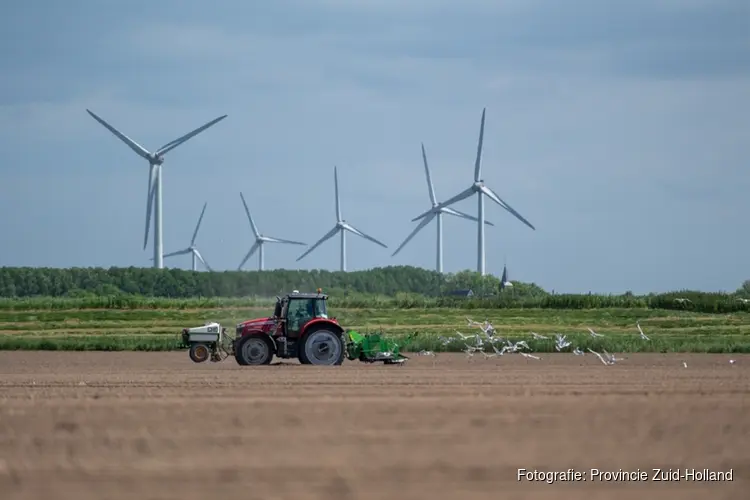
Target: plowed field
x,y
88,425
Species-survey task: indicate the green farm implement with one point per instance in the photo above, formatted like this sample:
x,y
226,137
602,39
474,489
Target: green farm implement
x,y
372,347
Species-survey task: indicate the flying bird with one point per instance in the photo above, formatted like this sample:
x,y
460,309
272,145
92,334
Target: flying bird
x,y
594,334
643,335
601,358
561,342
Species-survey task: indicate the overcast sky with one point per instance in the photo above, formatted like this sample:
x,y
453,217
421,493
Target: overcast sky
x,y
621,130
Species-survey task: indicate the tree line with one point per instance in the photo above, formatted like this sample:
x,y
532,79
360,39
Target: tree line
x,y
178,283
393,286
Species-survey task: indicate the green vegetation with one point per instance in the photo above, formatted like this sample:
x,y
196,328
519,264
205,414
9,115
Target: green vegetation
x,y
158,329
387,287
145,309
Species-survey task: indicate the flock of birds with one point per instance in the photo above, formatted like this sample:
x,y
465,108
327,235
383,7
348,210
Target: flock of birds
x,y
477,343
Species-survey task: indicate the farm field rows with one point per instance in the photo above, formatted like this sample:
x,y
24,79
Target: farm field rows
x,y
129,425
158,329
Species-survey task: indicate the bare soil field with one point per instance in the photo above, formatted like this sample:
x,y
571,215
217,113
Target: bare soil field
x,y
156,426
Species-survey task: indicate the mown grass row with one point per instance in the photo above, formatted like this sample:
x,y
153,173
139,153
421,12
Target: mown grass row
x,y
613,344
233,315
100,322
697,301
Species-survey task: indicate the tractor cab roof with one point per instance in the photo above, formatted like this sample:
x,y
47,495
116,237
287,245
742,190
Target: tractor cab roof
x,y
306,295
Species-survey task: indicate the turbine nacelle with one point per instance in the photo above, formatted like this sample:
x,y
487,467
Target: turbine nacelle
x,y
155,159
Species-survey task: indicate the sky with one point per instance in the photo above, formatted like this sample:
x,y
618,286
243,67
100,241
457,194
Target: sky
x,y
621,130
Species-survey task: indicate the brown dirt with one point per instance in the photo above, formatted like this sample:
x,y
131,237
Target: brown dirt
x,y
157,426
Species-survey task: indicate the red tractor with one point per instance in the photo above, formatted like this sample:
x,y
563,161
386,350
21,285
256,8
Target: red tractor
x,y
299,328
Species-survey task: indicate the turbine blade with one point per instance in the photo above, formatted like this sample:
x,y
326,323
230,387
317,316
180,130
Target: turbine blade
x,y
250,218
356,231
430,187
338,201
171,145
425,214
414,233
279,240
478,162
200,258
463,215
494,197
140,150
460,196
179,252
149,201
197,226
328,235
249,254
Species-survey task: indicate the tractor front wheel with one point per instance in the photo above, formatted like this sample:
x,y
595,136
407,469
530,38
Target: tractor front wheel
x,y
323,347
254,350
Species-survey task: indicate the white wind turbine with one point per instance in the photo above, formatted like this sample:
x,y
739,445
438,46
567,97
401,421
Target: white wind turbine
x,y
481,190
436,212
192,249
260,240
154,195
341,226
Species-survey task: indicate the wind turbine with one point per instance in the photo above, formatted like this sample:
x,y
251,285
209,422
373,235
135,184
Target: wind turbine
x,y
481,190
436,212
341,227
154,195
260,240
192,249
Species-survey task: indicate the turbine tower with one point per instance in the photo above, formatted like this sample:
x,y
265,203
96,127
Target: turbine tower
x,y
341,227
436,212
154,194
260,240
192,249
481,190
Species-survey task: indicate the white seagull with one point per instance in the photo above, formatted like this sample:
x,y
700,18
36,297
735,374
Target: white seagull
x,y
604,361
561,342
643,335
594,334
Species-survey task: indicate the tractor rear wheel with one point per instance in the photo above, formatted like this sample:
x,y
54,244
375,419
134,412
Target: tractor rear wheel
x,y
254,350
322,347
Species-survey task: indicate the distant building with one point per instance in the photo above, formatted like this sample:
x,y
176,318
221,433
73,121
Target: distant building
x,y
461,293
504,282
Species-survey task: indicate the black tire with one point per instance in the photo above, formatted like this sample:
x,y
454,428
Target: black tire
x,y
254,350
199,352
323,346
301,355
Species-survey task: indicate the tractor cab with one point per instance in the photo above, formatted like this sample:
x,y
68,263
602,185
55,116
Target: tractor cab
x,y
295,310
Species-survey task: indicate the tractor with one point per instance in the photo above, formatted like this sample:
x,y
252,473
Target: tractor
x,y
299,328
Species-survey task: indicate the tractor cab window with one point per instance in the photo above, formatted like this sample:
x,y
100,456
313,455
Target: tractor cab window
x,y
320,310
299,312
